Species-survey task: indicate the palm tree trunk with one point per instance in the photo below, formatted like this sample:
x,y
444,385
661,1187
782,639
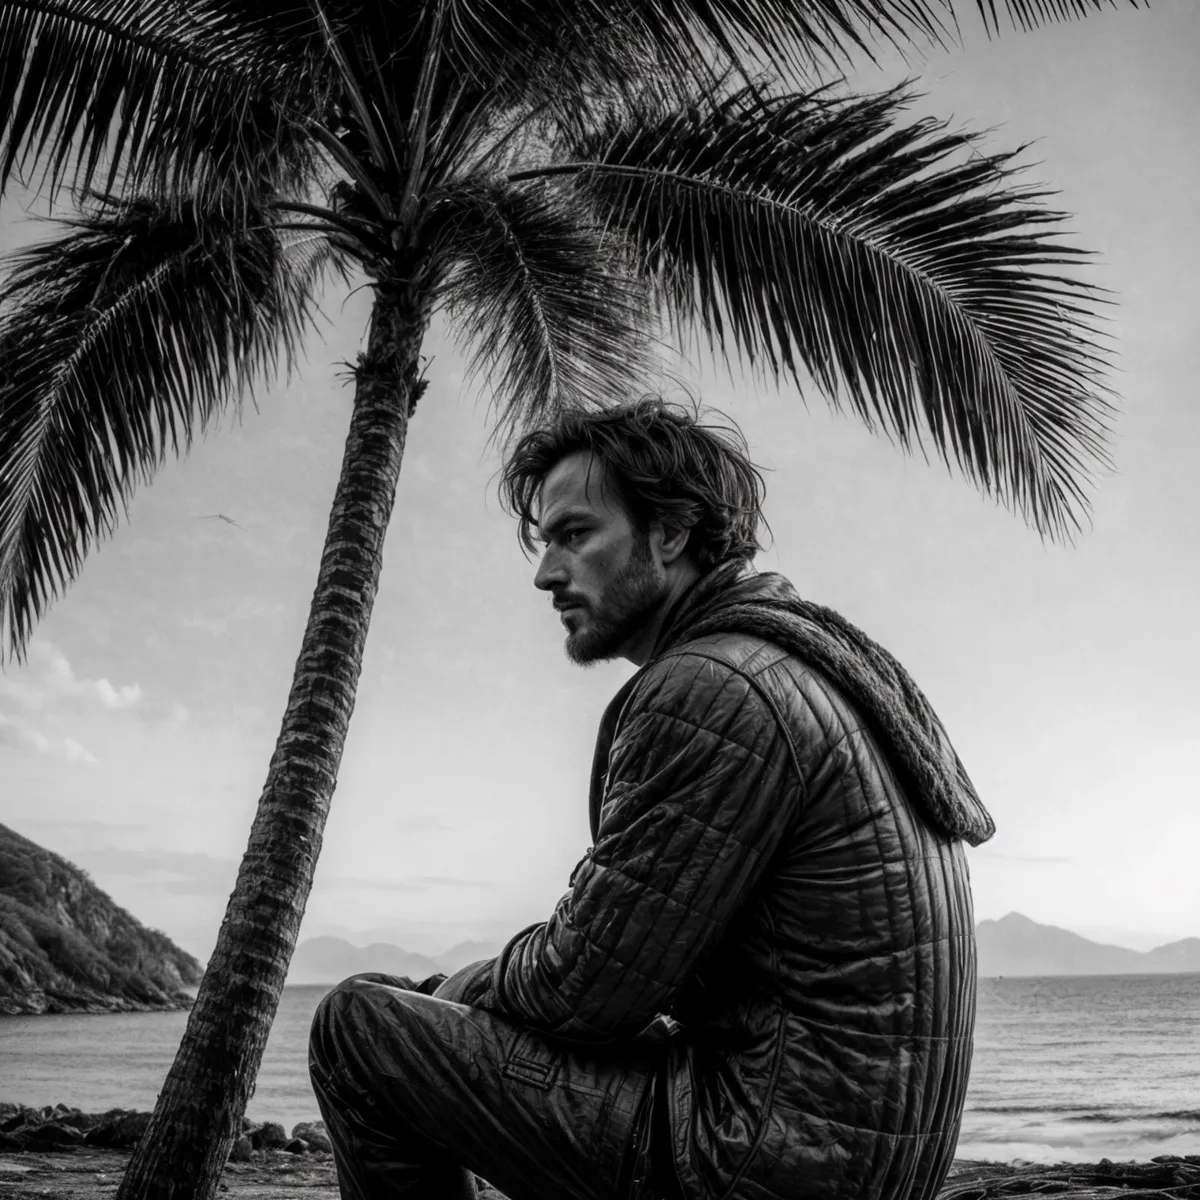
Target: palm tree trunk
x,y
200,1108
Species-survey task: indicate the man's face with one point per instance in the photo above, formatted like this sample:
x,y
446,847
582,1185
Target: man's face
x,y
603,574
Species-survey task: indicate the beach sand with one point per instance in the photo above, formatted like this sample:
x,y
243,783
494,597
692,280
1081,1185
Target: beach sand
x,y
89,1173
92,1173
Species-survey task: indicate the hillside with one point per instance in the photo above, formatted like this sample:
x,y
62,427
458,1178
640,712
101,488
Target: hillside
x,y
1015,945
65,946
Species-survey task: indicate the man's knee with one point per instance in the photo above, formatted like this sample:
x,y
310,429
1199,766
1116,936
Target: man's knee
x,y
333,1023
371,1038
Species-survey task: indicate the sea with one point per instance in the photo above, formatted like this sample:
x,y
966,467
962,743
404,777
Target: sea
x,y
1066,1069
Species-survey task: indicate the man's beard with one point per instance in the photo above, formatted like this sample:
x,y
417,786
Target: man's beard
x,y
627,602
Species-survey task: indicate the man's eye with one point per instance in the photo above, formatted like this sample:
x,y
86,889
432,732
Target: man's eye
x,y
572,536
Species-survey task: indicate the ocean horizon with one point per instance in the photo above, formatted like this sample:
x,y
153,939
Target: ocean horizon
x,y
1066,1068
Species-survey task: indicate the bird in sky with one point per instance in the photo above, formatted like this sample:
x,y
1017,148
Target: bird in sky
x,y
222,517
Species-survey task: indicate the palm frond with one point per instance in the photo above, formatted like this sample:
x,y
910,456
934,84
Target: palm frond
x,y
152,93
789,34
1028,14
605,41
118,342
533,289
906,272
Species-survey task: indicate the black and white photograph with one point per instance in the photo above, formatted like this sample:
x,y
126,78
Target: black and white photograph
x,y
598,599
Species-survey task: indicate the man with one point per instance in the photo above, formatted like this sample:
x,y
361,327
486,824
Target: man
x,y
761,981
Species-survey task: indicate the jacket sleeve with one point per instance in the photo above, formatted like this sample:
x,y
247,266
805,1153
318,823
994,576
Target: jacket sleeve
x,y
694,804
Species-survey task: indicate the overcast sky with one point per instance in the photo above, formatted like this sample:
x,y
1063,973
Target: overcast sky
x,y
136,738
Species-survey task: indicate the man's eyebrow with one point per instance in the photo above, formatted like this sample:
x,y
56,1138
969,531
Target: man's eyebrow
x,y
561,519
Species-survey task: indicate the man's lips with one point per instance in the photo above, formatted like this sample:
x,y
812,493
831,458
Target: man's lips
x,y
563,606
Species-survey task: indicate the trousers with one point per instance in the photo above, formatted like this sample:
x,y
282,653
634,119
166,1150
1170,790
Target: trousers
x,y
420,1094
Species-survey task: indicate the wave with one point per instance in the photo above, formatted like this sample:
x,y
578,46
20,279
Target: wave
x,y
1087,1113
1117,1118
1018,1109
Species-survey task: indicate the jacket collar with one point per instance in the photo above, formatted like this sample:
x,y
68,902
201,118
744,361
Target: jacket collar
x,y
729,583
734,598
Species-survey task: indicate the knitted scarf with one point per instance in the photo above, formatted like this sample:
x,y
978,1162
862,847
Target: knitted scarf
x,y
731,599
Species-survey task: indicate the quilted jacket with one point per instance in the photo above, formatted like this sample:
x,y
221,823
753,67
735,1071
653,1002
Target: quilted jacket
x,y
766,872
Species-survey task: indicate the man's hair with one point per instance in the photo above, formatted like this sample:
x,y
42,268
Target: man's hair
x,y
662,463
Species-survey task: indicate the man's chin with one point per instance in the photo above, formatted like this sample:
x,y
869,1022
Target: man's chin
x,y
585,651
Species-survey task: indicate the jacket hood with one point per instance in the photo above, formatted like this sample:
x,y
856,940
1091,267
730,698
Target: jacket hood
x,y
733,598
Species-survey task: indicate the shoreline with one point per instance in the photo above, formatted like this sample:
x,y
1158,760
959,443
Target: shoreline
x,y
90,1173
60,1153
103,1007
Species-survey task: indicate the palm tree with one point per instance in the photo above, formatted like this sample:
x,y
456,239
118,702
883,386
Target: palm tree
x,y
567,181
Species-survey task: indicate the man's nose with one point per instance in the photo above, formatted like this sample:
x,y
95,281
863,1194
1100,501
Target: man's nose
x,y
550,573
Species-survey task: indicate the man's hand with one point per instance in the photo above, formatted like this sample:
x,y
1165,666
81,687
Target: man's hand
x,y
427,987
661,1029
472,985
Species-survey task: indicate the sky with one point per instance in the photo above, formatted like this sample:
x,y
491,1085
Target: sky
x,y
135,738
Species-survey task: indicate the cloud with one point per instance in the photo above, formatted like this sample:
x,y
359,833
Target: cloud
x,y
183,873
13,733
78,753
112,697
177,873
48,685
48,680
23,737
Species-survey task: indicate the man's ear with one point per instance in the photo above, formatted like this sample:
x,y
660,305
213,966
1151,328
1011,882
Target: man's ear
x,y
674,541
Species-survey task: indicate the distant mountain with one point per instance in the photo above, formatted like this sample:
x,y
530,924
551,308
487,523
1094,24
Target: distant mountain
x,y
466,953
331,959
65,946
1015,945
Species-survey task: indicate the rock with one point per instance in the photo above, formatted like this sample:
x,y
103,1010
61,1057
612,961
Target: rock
x,y
8,1109
118,1129
241,1150
268,1136
52,1136
296,1146
314,1133
19,1119
11,1141
80,1120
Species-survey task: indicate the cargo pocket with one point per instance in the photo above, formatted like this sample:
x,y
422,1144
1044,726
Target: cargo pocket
x,y
531,1061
